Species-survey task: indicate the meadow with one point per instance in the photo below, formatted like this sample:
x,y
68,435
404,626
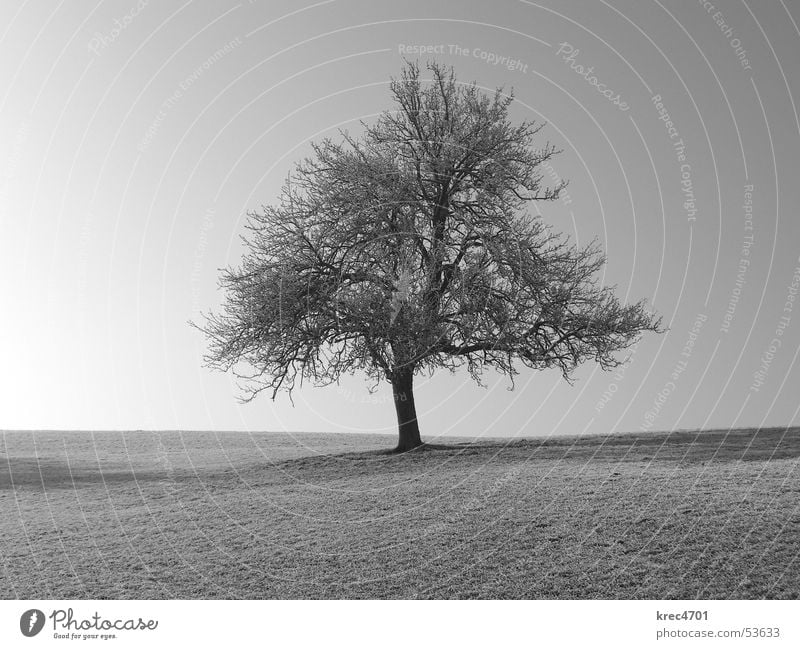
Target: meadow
x,y
193,515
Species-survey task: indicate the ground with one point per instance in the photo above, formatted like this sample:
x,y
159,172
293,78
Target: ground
x,y
711,514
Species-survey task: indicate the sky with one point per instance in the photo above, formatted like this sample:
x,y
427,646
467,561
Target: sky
x,y
135,136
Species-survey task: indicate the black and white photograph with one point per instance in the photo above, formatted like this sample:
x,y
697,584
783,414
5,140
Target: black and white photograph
x,y
377,302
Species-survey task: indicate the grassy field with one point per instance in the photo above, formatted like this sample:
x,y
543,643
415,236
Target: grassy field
x,y
233,515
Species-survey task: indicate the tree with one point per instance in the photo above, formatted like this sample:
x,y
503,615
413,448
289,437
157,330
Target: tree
x,y
409,249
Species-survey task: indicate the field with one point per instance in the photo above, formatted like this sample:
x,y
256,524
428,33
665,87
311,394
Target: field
x,y
711,514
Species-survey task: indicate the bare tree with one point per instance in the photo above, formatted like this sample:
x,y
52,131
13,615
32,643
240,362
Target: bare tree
x,y
409,249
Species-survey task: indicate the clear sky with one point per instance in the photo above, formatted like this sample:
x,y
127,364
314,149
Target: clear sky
x,y
134,137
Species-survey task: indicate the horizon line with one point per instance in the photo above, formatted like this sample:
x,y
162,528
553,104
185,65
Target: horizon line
x,y
392,433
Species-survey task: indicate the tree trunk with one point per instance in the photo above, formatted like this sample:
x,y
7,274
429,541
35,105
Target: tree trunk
x,y
408,427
